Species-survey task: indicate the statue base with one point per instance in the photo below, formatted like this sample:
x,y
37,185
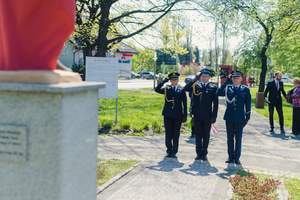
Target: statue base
x,y
42,76
48,138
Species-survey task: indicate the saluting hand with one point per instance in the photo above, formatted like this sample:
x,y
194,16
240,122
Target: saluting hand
x,y
165,80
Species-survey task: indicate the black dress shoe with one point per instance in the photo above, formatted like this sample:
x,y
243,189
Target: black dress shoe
x,y
173,156
272,130
237,162
229,161
282,131
204,158
169,155
198,158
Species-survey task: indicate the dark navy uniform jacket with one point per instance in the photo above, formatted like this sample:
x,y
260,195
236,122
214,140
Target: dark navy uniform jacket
x,y
238,103
175,101
205,100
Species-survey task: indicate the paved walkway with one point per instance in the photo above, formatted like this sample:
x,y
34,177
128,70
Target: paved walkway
x,y
164,179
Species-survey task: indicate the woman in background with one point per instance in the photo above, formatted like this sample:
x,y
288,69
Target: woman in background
x,y
294,96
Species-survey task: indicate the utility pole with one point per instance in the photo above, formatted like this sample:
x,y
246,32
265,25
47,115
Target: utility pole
x,y
224,43
216,45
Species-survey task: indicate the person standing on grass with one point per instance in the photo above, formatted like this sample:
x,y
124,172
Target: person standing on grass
x,y
204,109
273,97
174,111
237,114
294,98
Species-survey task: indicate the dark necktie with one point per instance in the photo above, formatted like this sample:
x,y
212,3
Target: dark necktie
x,y
173,88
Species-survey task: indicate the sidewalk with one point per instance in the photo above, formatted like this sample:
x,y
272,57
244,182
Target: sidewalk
x,y
164,179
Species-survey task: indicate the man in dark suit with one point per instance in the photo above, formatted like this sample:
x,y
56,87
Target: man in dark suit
x,y
174,111
204,110
273,97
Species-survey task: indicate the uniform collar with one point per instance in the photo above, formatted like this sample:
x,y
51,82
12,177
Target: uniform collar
x,y
236,86
204,84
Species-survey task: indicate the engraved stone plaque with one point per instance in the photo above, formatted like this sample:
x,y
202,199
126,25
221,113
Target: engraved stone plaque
x,y
13,143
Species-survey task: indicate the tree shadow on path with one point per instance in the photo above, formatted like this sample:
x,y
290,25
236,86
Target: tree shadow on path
x,y
200,169
166,165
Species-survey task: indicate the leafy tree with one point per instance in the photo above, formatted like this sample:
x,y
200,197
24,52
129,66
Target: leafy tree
x,y
285,48
144,61
102,23
268,15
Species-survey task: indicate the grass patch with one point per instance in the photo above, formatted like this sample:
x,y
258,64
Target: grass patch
x,y
287,108
293,187
139,111
107,169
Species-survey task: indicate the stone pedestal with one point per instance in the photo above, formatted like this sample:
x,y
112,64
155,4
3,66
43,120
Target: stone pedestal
x,y
48,137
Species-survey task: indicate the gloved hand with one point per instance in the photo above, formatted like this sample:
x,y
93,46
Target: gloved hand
x,y
197,77
267,100
245,123
184,119
165,80
247,117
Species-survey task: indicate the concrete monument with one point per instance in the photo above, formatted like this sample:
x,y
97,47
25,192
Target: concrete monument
x,y
48,124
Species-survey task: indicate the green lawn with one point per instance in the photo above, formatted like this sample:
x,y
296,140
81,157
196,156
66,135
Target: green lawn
x,y
139,111
287,108
107,169
293,186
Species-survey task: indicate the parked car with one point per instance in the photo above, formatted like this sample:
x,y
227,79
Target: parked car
x,y
147,75
286,79
135,75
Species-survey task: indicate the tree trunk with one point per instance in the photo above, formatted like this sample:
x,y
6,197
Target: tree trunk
x,y
264,68
86,52
264,64
104,23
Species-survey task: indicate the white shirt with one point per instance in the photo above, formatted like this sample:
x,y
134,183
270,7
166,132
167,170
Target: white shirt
x,y
204,84
236,86
277,83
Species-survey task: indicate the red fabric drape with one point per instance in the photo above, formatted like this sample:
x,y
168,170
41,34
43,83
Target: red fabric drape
x,y
32,32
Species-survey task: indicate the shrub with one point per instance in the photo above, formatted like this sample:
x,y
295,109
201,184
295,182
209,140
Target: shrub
x,y
146,127
249,187
125,125
157,127
107,124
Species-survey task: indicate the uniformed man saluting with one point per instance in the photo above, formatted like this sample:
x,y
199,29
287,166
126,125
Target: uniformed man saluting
x,y
204,109
174,111
237,114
